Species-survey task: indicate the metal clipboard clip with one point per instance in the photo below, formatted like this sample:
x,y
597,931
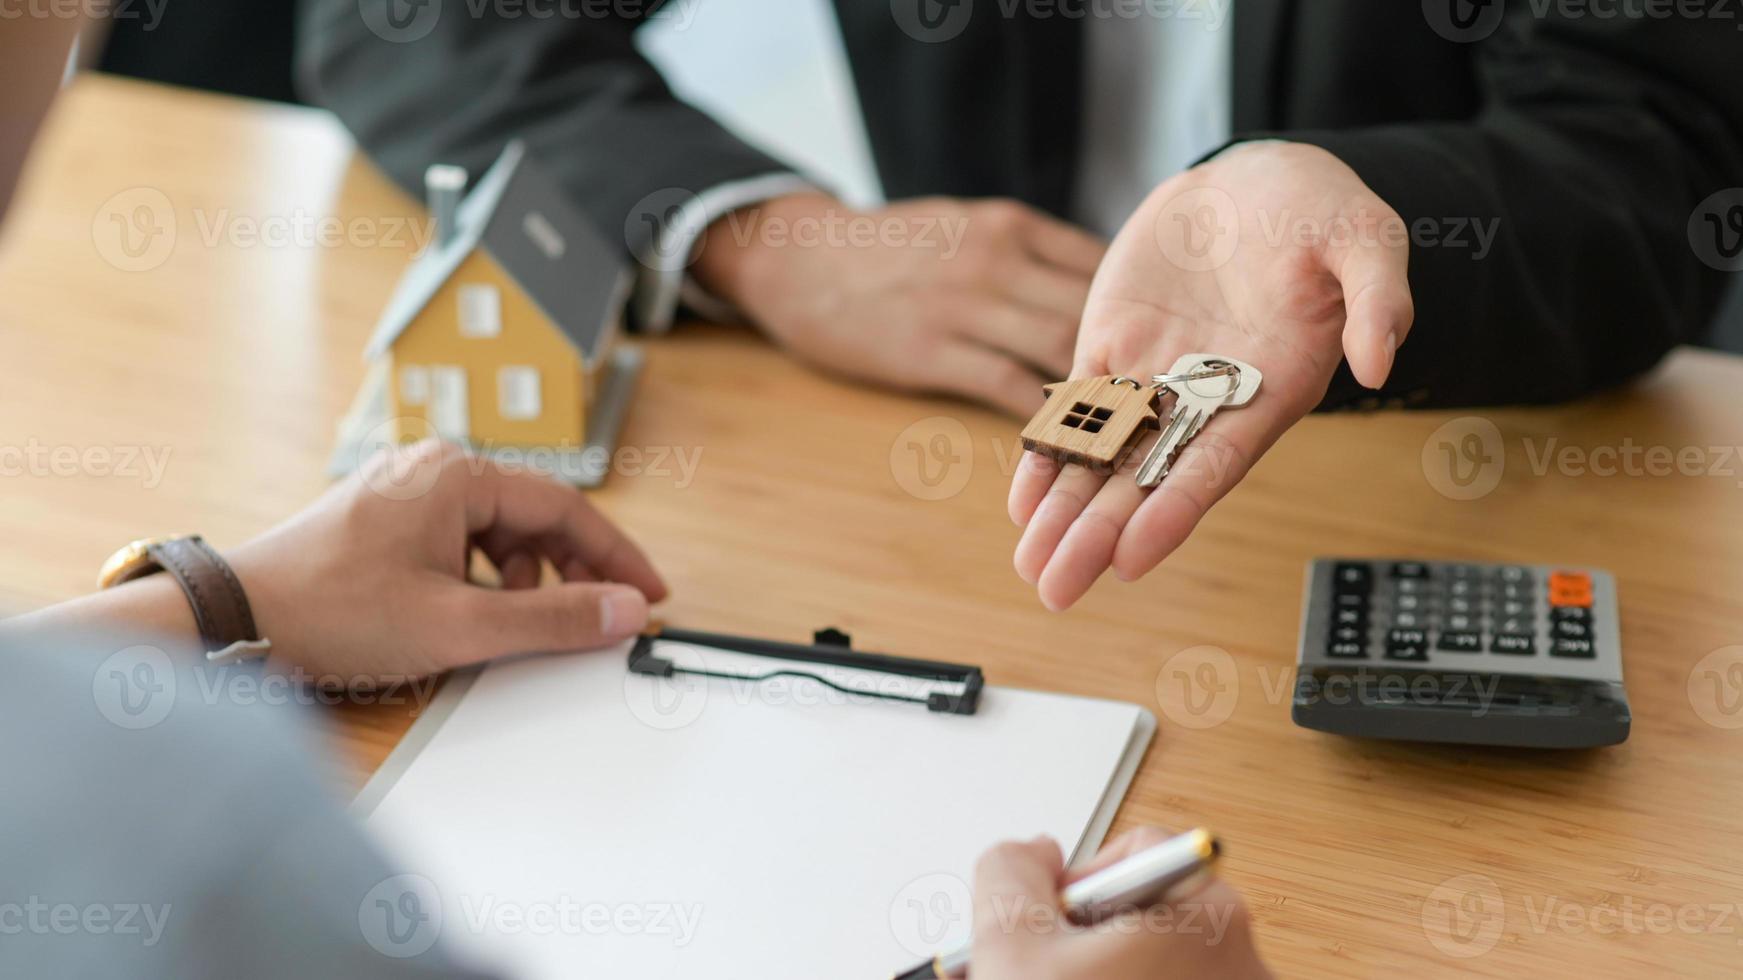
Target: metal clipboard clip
x,y
830,661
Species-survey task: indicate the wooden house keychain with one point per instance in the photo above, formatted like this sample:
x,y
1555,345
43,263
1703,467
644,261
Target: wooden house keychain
x,y
1093,422
1096,422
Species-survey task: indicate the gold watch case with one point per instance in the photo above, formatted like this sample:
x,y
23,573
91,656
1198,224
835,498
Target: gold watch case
x,y
131,561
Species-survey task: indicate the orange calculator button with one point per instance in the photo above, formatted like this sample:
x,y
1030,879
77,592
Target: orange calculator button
x,y
1570,589
1570,580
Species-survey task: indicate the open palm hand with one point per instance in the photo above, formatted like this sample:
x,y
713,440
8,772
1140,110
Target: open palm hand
x,y
1272,253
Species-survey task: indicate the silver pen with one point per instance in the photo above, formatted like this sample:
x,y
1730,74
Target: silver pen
x,y
1134,883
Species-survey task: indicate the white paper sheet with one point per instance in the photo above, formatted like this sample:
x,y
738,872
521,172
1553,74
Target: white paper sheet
x,y
577,820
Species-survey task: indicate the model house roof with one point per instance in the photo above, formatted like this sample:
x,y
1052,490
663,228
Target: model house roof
x,y
521,217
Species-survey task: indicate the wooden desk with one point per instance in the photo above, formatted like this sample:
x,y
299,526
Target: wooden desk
x,y
235,359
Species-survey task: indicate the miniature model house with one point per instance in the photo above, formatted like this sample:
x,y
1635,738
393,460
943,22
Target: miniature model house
x,y
497,334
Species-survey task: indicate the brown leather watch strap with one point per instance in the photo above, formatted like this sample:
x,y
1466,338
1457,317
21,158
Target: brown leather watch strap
x,y
220,606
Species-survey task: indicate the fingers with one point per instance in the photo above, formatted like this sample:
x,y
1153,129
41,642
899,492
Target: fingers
x,y
1126,845
1034,477
1062,509
1049,289
1378,309
1211,464
1041,340
985,375
1084,523
571,616
568,528
520,570
1064,244
1028,868
1010,880
1071,536
1013,877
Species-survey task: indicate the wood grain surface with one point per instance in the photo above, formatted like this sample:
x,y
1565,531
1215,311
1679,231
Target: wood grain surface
x,y
201,393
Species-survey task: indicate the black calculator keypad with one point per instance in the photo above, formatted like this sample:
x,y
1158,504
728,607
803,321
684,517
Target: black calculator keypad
x,y
1405,610
1515,643
1460,641
1407,644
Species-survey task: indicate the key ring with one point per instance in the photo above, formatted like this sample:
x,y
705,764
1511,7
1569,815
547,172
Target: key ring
x,y
1123,380
1226,371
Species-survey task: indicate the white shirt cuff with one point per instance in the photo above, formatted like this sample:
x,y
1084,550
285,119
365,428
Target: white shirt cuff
x,y
664,282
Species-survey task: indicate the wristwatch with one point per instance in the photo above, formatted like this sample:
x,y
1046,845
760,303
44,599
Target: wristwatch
x,y
220,606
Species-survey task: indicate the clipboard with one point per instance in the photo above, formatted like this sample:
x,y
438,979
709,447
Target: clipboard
x,y
805,822
956,691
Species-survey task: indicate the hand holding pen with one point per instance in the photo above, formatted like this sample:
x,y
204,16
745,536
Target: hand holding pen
x,y
1028,921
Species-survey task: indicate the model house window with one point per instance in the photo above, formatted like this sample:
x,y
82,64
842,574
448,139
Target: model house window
x,y
480,311
544,235
414,385
517,392
1089,418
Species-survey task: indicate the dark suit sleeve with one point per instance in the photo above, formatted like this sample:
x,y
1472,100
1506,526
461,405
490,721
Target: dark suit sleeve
x,y
453,80
1599,140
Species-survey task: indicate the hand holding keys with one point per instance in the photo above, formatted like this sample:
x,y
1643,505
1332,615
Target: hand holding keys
x,y
1081,520
1094,422
1201,383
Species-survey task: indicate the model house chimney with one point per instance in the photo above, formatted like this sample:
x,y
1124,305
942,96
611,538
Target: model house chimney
x,y
443,186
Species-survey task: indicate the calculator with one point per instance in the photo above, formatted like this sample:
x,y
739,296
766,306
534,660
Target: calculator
x,y
1480,654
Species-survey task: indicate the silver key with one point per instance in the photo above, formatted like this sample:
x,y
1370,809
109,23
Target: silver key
x,y
1195,401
